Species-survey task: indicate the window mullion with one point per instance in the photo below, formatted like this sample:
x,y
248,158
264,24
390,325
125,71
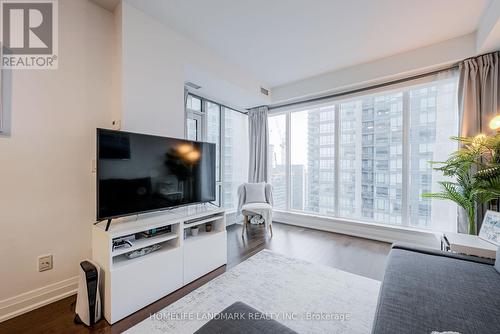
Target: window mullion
x,y
336,154
288,166
204,121
405,180
222,143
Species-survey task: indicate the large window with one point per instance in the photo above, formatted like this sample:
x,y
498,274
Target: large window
x,y
367,157
228,129
235,156
277,159
313,160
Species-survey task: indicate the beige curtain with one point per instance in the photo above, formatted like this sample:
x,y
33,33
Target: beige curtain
x,y
478,101
259,141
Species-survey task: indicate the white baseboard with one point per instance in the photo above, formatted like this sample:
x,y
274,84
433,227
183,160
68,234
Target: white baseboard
x,y
28,301
373,231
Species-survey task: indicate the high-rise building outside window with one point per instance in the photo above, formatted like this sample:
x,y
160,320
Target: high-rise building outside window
x,y
277,159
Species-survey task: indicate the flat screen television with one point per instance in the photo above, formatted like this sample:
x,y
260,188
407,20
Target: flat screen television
x,y
139,173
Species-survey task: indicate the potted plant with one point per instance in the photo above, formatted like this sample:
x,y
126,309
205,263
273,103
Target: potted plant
x,y
194,230
474,170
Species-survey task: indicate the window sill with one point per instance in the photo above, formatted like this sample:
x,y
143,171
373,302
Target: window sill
x,y
368,230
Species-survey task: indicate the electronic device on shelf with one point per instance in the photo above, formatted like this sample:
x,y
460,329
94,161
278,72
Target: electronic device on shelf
x,y
156,231
123,242
143,251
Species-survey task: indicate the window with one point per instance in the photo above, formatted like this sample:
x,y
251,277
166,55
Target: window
x,y
277,159
312,158
367,157
213,118
432,121
193,103
228,130
194,124
235,157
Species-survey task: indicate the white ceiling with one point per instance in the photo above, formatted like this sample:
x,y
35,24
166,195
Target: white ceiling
x,y
281,41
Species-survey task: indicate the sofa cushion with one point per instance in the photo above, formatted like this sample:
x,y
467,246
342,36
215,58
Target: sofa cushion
x,y
240,318
497,260
425,291
255,192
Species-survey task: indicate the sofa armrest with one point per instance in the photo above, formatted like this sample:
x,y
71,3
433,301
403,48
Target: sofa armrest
x,y
436,252
426,290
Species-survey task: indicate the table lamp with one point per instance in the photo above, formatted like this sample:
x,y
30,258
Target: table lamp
x,y
495,123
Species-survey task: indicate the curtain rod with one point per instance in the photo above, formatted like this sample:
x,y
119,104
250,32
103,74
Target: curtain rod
x,y
359,90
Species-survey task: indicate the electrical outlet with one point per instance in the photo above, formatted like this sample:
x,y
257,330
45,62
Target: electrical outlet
x,y
45,262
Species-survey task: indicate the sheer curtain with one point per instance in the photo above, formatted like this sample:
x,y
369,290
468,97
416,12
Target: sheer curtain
x,y
478,99
259,140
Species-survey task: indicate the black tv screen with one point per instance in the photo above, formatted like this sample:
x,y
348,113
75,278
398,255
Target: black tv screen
x,y
139,173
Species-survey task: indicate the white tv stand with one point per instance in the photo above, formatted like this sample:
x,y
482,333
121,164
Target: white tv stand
x,y
131,284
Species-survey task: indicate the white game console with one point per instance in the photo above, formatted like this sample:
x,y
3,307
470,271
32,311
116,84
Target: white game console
x,y
88,302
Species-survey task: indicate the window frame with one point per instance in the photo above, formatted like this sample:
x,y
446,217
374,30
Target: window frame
x,y
203,131
405,88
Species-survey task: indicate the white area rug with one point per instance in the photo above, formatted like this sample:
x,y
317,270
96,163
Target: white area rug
x,y
289,290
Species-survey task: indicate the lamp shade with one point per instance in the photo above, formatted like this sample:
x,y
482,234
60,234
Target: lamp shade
x,y
495,123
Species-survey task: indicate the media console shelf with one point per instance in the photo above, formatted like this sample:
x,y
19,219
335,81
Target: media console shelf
x,y
131,284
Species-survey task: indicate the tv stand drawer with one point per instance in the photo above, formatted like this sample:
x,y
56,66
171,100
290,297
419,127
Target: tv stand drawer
x,y
139,284
198,261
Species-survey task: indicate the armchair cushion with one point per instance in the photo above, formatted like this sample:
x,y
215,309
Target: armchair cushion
x,y
255,192
250,208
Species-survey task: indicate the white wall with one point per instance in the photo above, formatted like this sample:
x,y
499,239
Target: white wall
x,y
122,66
488,31
47,192
153,90
157,62
116,67
394,67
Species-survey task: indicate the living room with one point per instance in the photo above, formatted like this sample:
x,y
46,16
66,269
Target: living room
x,y
182,166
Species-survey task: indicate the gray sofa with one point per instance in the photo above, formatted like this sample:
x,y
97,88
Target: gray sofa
x,y
425,290
240,318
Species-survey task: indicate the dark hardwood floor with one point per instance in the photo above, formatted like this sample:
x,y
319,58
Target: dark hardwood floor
x,y
359,256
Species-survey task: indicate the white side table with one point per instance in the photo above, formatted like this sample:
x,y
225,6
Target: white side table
x,y
468,245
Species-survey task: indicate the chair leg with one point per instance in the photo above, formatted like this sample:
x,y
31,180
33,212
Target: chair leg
x,y
271,229
245,221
